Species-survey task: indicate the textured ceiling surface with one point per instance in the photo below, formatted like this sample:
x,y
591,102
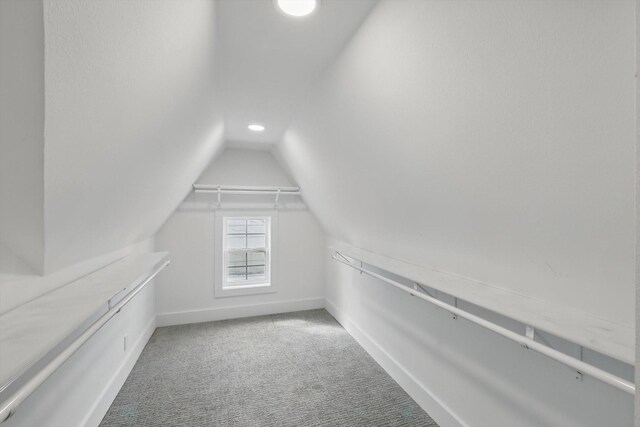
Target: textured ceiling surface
x,y
495,140
140,95
269,60
132,118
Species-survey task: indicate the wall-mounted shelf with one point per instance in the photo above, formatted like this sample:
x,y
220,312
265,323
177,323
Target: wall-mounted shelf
x,y
37,337
603,336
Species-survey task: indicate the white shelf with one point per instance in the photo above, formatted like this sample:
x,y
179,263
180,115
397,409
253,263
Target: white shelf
x,y
38,330
606,337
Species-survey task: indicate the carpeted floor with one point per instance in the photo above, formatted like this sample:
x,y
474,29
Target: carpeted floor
x,y
295,369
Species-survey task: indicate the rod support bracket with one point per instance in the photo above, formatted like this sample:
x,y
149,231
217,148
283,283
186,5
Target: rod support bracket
x,y
530,332
275,205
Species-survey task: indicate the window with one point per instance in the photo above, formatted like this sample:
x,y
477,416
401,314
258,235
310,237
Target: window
x,y
245,253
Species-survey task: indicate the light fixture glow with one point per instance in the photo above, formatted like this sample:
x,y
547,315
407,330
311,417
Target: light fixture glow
x,y
256,127
297,7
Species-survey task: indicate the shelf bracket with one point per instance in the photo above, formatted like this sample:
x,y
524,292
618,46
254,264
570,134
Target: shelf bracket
x,y
338,254
277,198
530,332
579,376
110,302
415,288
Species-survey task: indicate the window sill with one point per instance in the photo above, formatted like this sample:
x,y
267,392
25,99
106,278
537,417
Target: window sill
x,y
249,289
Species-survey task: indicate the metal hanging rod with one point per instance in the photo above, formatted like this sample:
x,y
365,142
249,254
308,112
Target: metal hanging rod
x,y
8,407
251,190
528,343
236,189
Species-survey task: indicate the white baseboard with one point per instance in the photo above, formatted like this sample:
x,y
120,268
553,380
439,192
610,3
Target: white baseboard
x,y
100,408
438,410
236,312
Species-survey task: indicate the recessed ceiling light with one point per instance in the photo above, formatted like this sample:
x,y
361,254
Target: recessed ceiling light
x,y
297,7
256,127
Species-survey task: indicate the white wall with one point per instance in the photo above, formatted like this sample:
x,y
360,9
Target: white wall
x,y
132,119
22,135
489,139
637,234
80,392
186,291
463,374
245,167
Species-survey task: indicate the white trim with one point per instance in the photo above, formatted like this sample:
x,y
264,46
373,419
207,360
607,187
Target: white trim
x,y
115,383
437,409
220,291
239,311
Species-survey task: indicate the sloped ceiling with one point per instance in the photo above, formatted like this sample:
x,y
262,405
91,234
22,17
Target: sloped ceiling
x,y
21,137
135,111
133,116
489,139
269,60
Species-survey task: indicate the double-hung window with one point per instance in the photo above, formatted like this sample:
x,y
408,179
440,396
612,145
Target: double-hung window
x,y
245,253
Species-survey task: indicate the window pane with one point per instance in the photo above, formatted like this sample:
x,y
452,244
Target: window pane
x,y
256,258
236,226
256,273
256,226
256,241
236,259
237,242
237,274
242,236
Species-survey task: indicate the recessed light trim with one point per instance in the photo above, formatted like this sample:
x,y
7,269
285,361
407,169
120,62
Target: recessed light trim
x,y
255,127
297,8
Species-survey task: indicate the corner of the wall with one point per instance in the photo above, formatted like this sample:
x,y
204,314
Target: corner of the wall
x,y
438,410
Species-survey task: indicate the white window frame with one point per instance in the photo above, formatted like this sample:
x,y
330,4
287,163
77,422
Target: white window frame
x,y
268,285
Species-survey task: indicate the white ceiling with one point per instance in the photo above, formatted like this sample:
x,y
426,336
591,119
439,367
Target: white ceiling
x,y
269,60
135,110
490,139
132,119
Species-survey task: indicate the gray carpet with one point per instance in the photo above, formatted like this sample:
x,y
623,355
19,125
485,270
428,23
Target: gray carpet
x,y
295,369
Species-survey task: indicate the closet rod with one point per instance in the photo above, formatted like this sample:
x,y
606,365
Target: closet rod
x,y
524,341
8,407
236,189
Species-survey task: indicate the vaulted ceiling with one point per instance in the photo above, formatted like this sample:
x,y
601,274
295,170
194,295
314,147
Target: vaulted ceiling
x,y
491,139
139,96
268,60
132,117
